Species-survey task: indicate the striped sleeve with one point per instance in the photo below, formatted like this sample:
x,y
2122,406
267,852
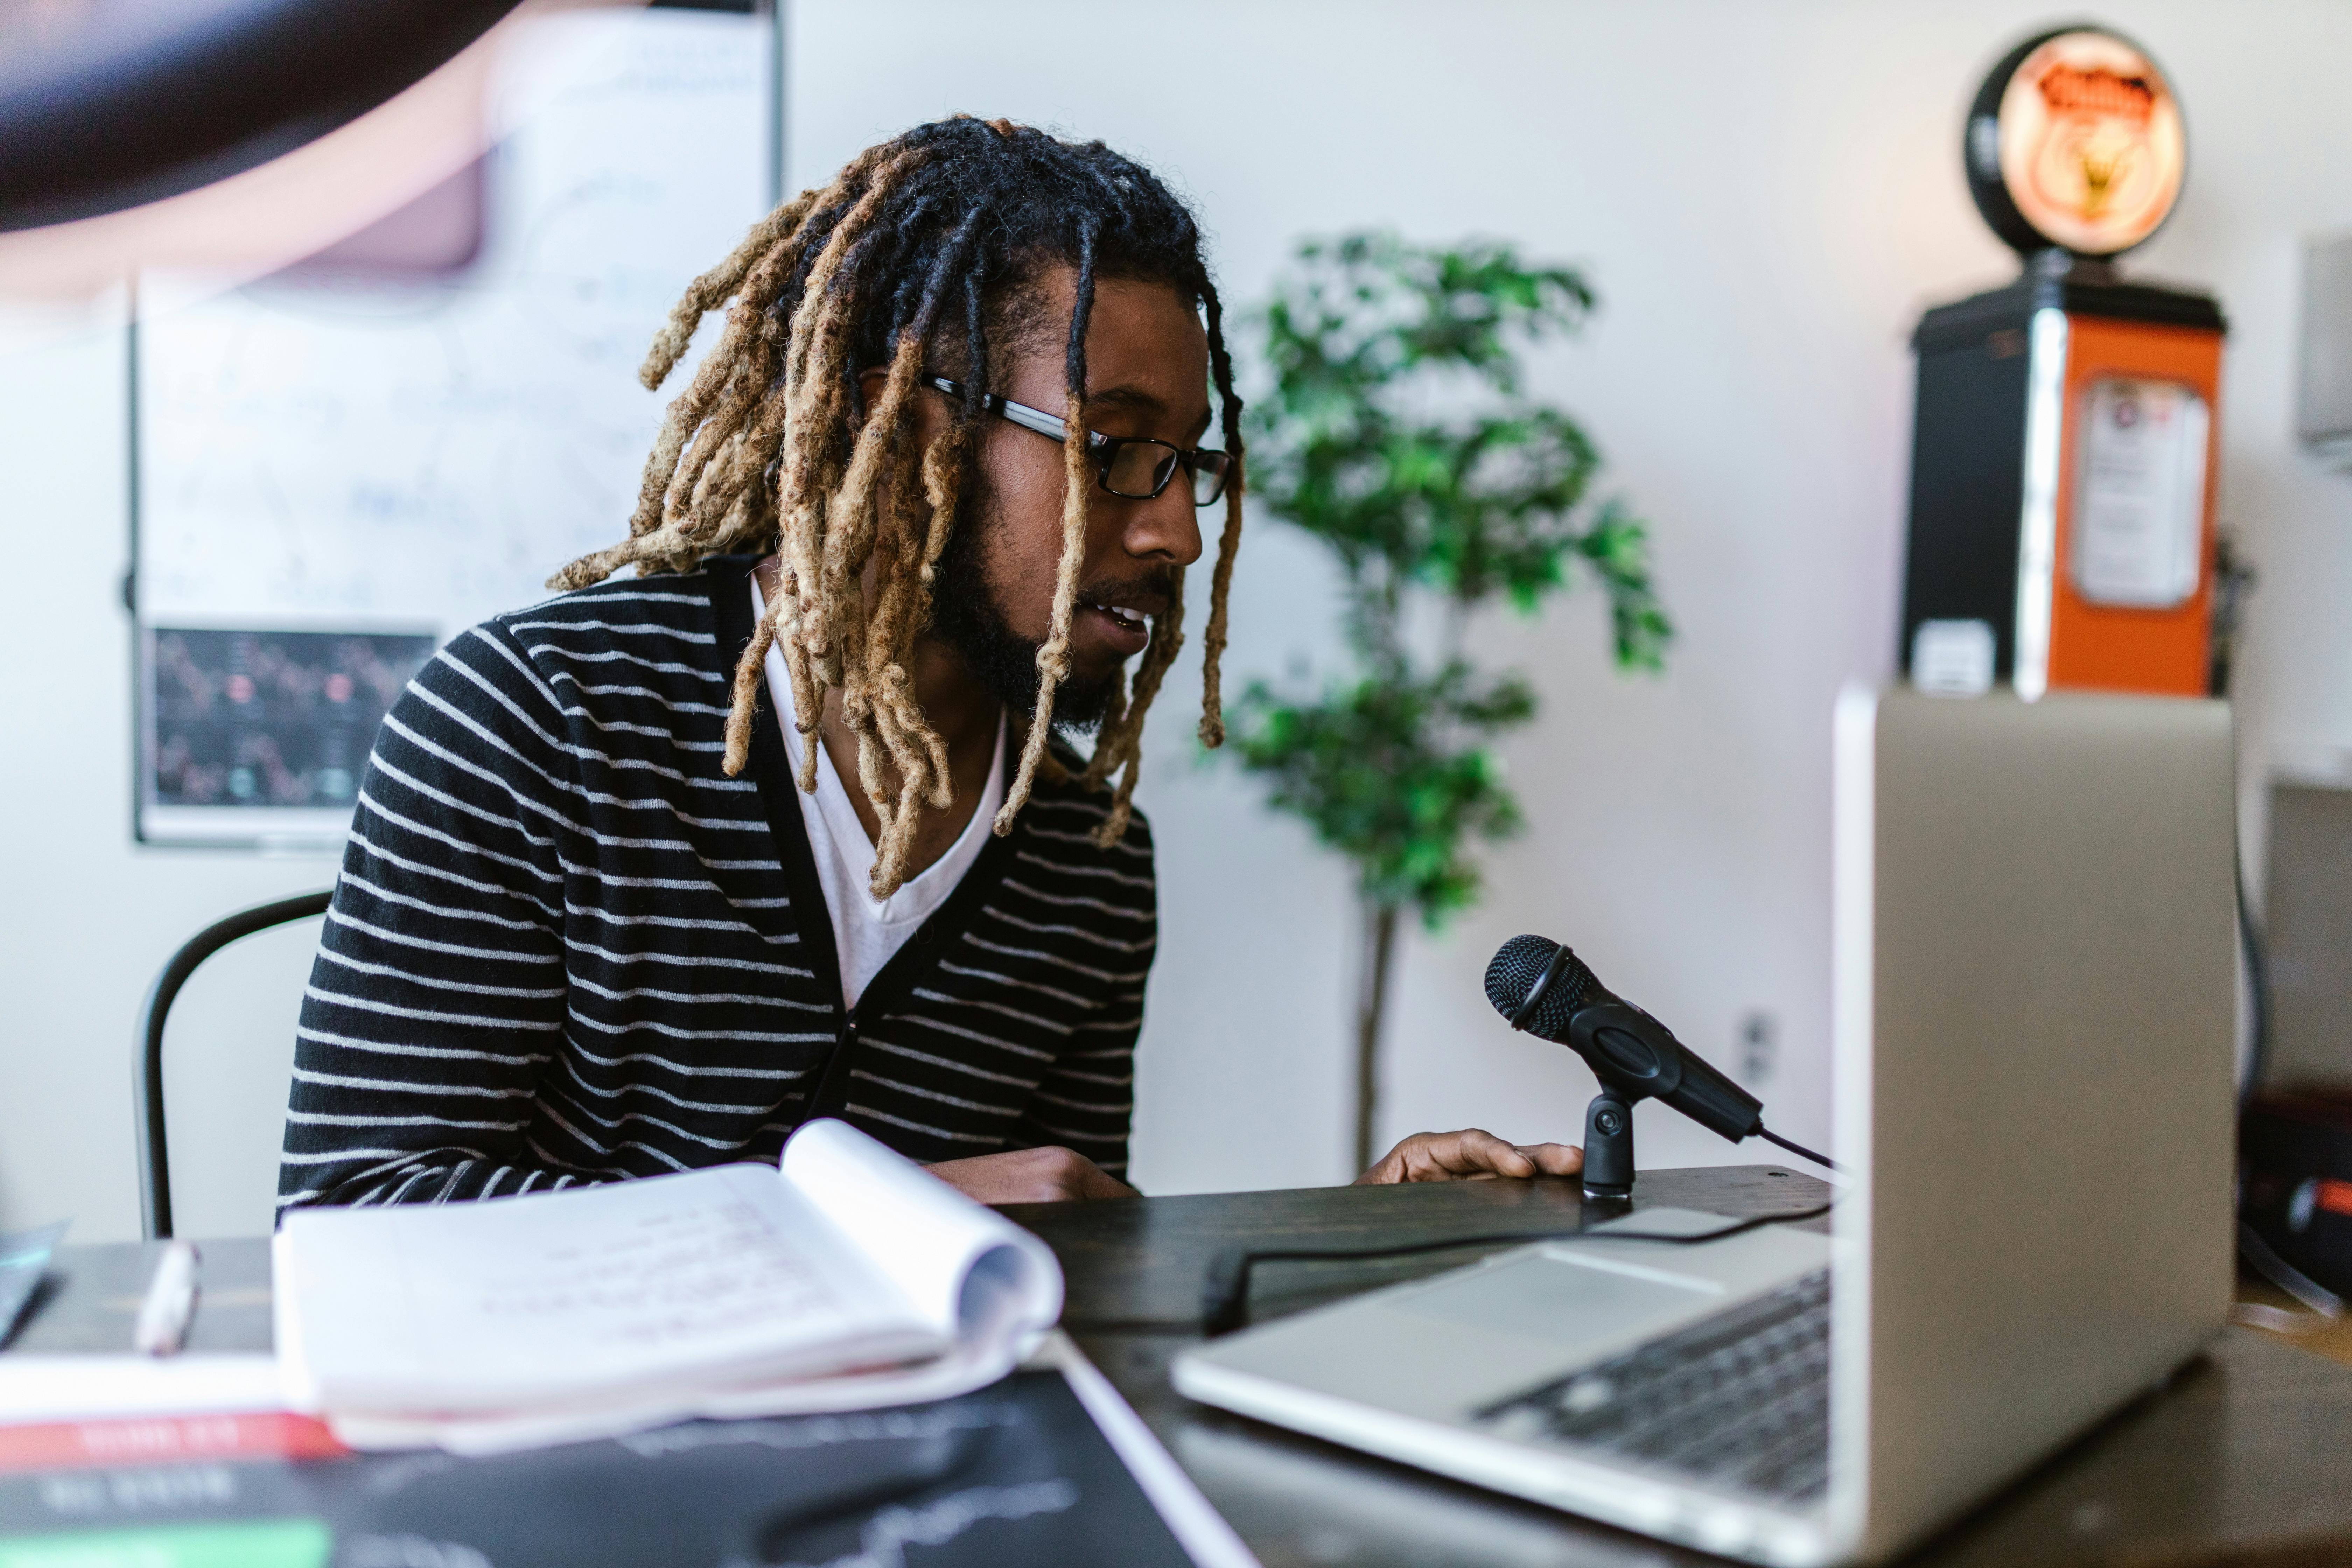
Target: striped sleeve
x,y
438,993
1087,1100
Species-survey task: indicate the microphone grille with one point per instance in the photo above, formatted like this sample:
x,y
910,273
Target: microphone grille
x,y
1518,964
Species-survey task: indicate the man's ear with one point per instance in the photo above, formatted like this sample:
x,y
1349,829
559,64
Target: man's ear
x,y
931,408
869,390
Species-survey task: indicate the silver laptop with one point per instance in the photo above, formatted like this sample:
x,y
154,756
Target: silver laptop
x,y
2034,977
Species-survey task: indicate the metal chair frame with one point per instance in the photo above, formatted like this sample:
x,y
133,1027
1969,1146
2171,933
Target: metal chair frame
x,y
147,1061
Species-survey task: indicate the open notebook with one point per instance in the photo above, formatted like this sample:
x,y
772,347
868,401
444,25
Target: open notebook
x,y
844,1277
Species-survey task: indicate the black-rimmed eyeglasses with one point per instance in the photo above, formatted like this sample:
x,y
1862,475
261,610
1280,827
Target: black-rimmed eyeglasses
x,y
1135,467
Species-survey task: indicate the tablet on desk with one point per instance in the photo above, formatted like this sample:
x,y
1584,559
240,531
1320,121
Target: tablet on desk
x,y
1047,1465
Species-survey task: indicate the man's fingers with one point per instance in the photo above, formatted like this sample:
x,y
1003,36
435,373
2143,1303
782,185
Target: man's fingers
x,y
1476,1152
1472,1153
1434,1157
1555,1159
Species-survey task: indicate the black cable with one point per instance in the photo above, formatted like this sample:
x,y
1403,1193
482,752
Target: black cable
x,y
2232,580
1224,1288
2325,1304
2326,1308
1797,1149
2258,994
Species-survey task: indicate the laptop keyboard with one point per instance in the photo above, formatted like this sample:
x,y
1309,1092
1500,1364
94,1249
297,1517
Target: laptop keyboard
x,y
1740,1400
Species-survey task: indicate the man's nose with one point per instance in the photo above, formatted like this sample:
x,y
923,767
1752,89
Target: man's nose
x,y
1165,528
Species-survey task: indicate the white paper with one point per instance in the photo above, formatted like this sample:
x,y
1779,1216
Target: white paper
x,y
103,1388
961,1370
931,1241
619,1291
847,1278
2139,512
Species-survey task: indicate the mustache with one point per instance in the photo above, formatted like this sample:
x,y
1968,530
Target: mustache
x,y
1159,583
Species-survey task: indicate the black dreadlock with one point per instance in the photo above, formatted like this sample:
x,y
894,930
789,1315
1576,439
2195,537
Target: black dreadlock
x,y
907,259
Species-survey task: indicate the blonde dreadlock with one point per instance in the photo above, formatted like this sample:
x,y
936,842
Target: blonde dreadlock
x,y
892,265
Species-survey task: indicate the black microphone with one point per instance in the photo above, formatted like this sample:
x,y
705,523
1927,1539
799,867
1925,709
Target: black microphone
x,y
1544,989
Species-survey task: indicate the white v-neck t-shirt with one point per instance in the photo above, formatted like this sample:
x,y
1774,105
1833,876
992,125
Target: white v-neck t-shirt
x,y
865,933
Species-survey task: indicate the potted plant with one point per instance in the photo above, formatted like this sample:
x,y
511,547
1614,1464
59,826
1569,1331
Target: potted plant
x,y
1397,432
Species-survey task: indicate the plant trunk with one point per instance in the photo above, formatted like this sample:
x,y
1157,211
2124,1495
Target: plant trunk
x,y
1371,1003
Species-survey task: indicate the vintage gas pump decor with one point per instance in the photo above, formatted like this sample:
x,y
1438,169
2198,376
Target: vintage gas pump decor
x,y
2064,453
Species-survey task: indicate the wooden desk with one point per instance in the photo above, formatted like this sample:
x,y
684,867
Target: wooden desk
x,y
2246,1459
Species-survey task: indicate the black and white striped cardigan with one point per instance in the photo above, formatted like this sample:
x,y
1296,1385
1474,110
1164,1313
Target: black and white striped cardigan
x,y
565,947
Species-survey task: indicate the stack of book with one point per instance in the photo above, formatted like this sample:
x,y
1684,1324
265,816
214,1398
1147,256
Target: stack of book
x,y
858,1321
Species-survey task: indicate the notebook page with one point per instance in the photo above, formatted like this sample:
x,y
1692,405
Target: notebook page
x,y
965,1269
641,1286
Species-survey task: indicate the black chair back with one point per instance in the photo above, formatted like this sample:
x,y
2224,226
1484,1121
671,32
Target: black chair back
x,y
154,1157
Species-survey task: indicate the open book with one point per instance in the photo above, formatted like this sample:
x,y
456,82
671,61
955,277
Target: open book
x,y
842,1278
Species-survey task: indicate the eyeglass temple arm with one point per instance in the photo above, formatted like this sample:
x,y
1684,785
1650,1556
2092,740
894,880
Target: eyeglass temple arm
x,y
1020,413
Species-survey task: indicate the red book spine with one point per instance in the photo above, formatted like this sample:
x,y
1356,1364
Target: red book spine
x,y
164,1441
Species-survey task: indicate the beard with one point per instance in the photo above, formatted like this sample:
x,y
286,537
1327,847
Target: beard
x,y
967,616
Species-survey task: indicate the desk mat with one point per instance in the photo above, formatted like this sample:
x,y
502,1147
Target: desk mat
x,y
1018,1472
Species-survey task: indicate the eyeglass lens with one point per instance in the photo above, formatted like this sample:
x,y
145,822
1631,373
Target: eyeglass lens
x,y
1140,469
1209,470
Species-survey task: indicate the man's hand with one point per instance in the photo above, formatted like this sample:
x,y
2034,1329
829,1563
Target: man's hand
x,y
1046,1175
1471,1155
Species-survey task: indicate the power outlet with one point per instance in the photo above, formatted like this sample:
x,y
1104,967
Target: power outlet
x,y
1759,1045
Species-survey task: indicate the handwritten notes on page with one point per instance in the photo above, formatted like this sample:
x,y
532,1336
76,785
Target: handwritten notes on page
x,y
706,1278
846,1277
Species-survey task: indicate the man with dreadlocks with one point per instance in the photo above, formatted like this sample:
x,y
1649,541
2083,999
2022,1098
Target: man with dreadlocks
x,y
780,825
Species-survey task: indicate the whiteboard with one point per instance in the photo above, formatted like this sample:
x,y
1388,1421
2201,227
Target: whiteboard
x,y
332,476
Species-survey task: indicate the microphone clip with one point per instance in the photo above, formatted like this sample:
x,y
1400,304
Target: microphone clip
x,y
1608,1148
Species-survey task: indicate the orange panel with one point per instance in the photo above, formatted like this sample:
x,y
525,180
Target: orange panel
x,y
2104,647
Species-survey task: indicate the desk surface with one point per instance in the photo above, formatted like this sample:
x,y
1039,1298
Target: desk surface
x,y
2245,1458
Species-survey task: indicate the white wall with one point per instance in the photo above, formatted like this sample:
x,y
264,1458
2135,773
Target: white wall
x,y
87,920
1766,196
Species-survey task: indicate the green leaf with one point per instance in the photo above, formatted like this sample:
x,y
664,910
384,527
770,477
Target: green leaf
x,y
1396,431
